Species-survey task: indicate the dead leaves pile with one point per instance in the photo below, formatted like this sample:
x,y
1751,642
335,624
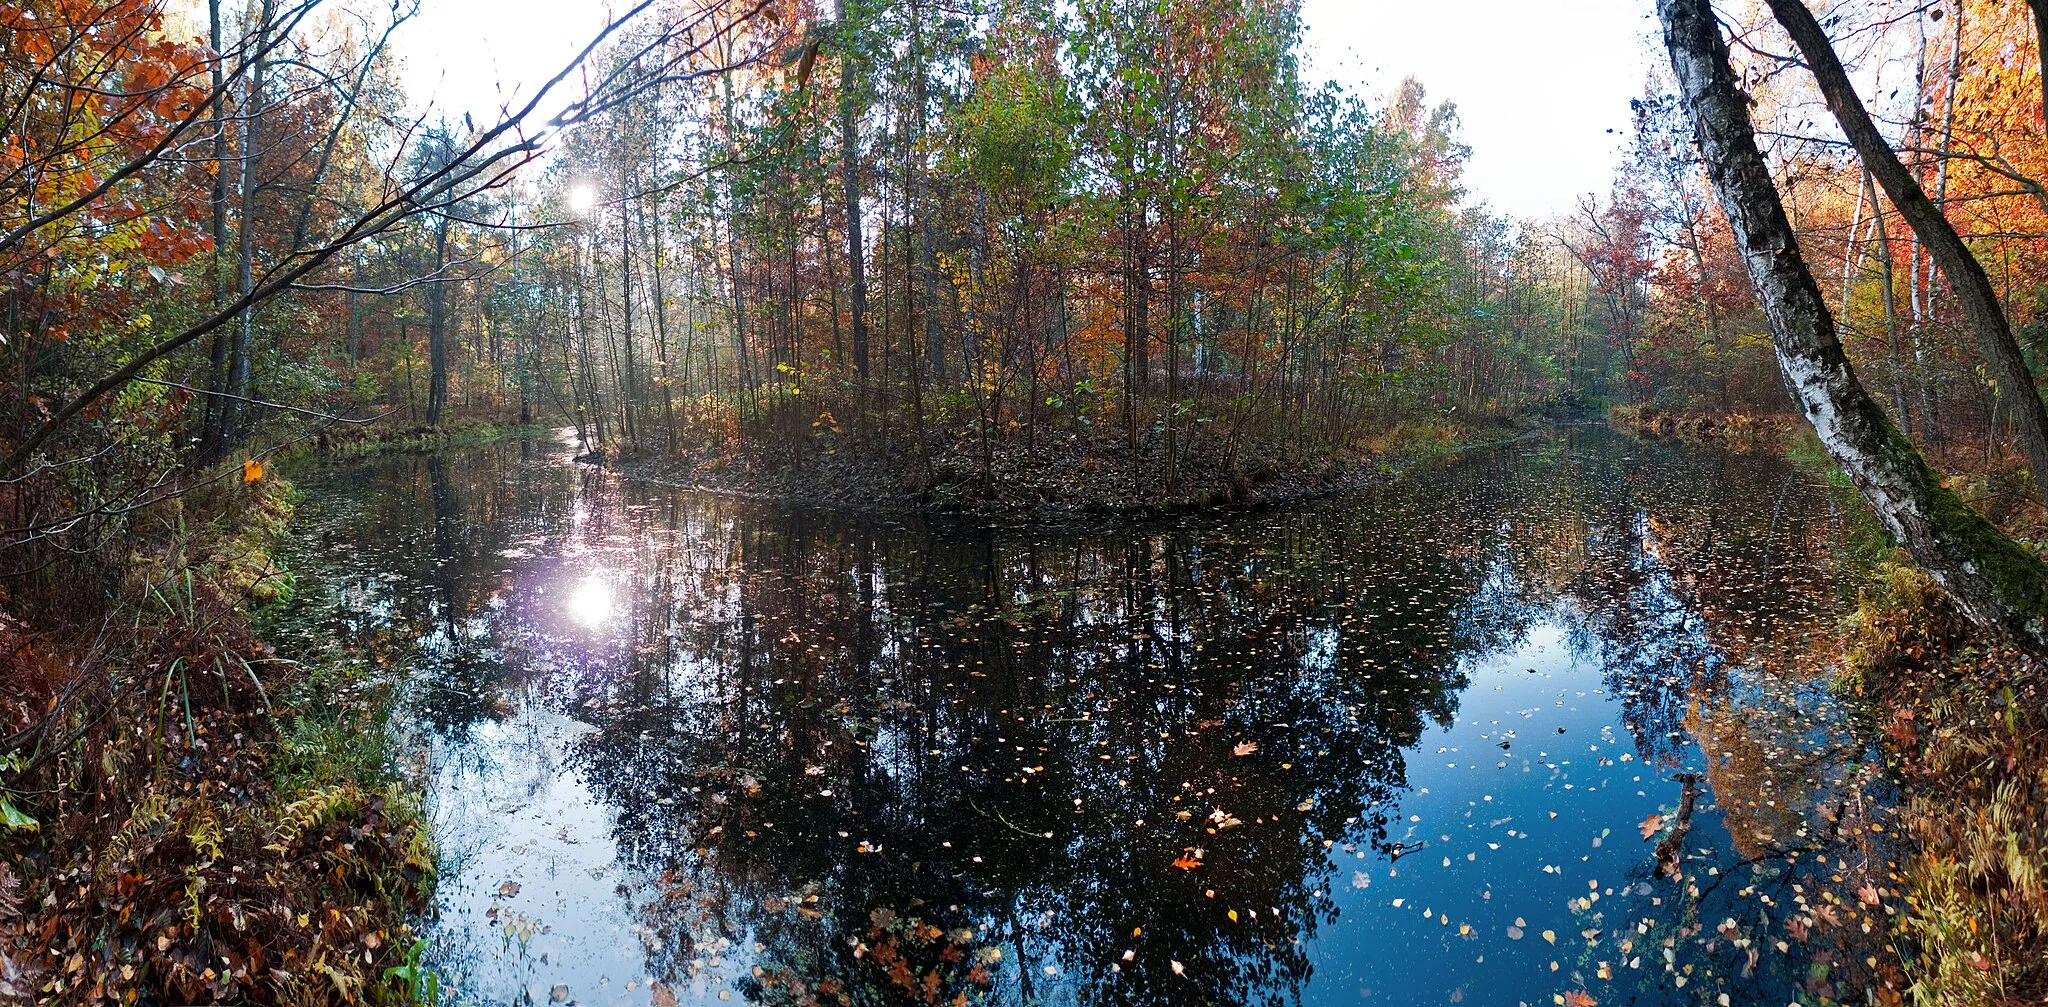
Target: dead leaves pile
x,y
169,868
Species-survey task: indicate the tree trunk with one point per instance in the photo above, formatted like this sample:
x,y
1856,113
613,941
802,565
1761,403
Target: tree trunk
x,y
231,417
629,384
437,327
1891,312
664,375
1965,274
849,174
1994,581
352,302
2041,46
211,445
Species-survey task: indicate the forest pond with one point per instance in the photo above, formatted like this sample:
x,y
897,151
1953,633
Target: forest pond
x,y
1424,743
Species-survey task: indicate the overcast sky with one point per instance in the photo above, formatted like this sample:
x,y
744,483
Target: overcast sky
x,y
1538,84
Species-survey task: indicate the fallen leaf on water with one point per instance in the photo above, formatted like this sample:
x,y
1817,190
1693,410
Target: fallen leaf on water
x,y
1651,826
1245,748
508,889
1579,998
1550,935
1178,968
1186,863
1868,894
558,994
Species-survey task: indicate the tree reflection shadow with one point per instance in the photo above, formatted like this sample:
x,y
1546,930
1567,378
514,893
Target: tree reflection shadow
x,y
899,763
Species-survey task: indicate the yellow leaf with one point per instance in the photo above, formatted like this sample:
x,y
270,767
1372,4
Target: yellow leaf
x,y
252,470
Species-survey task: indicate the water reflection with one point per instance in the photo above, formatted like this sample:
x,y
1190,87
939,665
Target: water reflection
x,y
1394,747
592,602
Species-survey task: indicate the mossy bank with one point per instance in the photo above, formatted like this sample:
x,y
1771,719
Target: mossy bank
x,y
193,818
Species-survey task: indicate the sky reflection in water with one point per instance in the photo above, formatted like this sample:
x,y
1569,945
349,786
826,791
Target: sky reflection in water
x,y
1395,748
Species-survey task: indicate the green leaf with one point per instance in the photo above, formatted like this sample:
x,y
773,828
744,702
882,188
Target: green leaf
x,y
12,817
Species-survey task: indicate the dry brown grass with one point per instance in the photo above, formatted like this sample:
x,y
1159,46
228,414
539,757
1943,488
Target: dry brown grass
x,y
1968,723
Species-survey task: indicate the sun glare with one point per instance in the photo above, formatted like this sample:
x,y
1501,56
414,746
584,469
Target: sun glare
x,y
582,198
592,602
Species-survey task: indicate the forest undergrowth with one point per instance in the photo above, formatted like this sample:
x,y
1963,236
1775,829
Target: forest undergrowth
x,y
194,819
1972,759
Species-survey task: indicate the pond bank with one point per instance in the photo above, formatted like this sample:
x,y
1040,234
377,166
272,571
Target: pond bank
x,y
1770,431
1967,725
1063,475
195,819
378,439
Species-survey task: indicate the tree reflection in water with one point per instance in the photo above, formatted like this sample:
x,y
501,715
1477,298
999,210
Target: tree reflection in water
x,y
845,760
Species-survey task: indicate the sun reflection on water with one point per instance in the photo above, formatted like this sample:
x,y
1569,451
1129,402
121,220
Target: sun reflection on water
x,y
592,602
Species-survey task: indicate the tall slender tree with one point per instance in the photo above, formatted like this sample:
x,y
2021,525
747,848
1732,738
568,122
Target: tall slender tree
x,y
1966,276
1994,581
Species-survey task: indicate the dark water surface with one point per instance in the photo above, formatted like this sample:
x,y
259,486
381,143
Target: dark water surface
x,y
1395,748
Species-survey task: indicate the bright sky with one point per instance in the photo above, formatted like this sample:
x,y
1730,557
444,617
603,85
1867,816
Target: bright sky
x,y
1538,83
458,52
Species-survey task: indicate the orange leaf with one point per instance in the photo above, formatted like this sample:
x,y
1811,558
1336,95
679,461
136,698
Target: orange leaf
x,y
1245,748
252,470
1652,825
1186,863
1579,998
